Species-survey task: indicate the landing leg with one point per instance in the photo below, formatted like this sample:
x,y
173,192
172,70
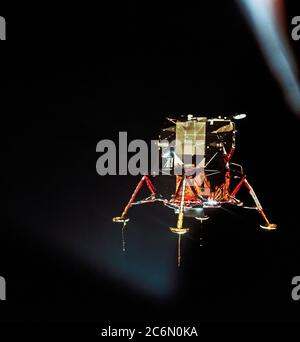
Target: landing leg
x,y
267,225
137,189
122,218
179,230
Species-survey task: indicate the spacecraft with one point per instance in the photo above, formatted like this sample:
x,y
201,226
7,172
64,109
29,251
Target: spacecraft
x,y
197,152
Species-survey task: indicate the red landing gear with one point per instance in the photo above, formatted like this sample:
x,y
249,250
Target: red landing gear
x,y
267,225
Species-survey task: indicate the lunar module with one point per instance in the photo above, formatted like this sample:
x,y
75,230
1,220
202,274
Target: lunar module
x,y
197,153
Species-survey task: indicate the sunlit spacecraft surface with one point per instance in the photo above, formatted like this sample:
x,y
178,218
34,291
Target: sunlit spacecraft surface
x,y
197,153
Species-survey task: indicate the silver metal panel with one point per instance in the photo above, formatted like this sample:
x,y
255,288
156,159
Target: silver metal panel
x,y
191,139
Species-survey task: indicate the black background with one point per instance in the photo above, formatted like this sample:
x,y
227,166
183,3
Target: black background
x,y
73,77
